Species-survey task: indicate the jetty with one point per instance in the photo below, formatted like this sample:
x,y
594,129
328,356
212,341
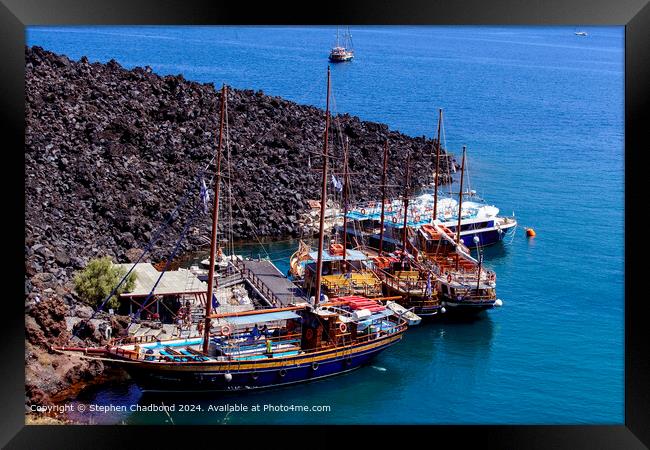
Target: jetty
x,y
269,283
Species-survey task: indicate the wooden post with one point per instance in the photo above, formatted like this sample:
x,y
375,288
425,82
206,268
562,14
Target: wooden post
x,y
460,205
383,198
406,201
215,219
435,192
323,197
346,187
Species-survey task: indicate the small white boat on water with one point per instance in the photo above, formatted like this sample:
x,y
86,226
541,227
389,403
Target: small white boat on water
x,y
400,311
581,33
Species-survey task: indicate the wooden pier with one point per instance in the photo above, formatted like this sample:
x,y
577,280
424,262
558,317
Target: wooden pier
x,y
270,282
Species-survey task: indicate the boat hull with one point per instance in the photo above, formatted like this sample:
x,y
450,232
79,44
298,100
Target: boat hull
x,y
336,59
486,237
233,377
466,308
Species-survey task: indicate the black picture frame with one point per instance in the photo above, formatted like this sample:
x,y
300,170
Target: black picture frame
x,y
15,15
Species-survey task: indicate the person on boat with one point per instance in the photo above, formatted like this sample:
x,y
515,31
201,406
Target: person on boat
x,y
265,330
199,326
256,332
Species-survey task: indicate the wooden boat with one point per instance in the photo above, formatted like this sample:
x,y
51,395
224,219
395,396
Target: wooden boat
x,y
341,277
399,271
342,52
465,286
291,345
297,260
261,348
414,284
343,271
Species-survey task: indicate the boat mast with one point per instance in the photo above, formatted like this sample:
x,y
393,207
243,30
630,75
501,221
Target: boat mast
x,y
460,204
406,201
215,218
323,196
383,197
435,192
346,186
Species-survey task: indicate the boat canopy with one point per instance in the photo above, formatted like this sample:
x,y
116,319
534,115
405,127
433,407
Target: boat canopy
x,y
350,255
257,318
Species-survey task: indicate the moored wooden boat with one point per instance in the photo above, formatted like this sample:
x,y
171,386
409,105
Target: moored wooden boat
x,y
465,286
265,348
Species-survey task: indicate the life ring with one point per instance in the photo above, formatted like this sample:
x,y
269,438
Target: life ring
x,y
449,278
314,366
309,333
363,211
282,372
226,330
390,208
343,327
394,219
417,218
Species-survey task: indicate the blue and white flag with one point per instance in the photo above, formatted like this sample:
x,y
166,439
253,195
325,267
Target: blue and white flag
x,y
427,291
337,184
204,195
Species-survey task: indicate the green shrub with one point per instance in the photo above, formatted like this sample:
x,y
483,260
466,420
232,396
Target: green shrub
x,y
98,279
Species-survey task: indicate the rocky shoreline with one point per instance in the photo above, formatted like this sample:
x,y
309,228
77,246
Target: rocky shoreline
x,y
109,153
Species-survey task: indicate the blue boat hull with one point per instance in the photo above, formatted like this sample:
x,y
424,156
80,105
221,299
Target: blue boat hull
x,y
151,380
488,237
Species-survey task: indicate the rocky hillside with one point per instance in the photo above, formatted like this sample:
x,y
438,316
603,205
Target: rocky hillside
x,y
109,153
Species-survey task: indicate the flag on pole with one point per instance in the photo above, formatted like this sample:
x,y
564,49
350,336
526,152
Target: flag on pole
x,y
215,302
337,184
204,195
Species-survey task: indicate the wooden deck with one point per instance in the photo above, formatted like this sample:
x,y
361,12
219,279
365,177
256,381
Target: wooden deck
x,y
270,282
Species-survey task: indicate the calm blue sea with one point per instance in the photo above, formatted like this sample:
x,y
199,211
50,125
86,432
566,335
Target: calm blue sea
x,y
541,112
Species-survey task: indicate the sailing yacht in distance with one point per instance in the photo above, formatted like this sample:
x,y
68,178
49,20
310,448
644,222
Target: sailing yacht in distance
x,y
342,51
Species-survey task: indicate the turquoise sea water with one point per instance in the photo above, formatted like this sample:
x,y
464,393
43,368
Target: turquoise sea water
x,y
541,112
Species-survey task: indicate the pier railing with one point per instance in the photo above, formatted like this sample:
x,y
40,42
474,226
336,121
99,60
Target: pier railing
x,y
258,283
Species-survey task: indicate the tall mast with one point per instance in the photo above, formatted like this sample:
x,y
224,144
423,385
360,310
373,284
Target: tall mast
x,y
460,203
323,196
406,201
346,187
383,197
215,218
435,192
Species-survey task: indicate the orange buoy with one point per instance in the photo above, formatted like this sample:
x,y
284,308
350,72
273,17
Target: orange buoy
x,y
530,232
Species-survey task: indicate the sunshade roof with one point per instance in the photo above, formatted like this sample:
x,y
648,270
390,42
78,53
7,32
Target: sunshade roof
x,y
351,255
